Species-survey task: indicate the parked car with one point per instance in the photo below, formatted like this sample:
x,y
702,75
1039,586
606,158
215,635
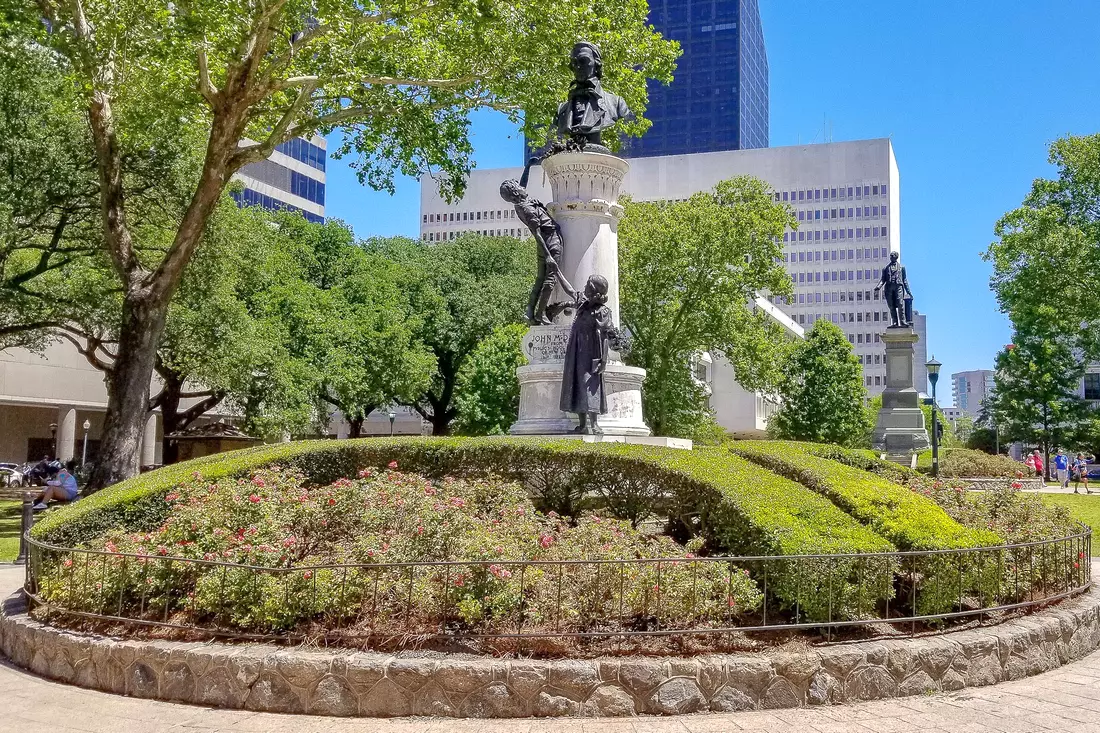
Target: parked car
x,y
1094,472
11,474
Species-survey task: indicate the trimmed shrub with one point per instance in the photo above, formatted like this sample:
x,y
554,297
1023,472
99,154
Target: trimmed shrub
x,y
910,521
967,463
733,505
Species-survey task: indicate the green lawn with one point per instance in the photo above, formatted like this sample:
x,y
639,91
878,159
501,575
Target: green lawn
x,y
10,516
1084,508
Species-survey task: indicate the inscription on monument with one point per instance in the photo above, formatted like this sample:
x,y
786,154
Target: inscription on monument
x,y
544,344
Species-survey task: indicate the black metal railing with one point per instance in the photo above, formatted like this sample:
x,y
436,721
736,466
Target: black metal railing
x,y
565,599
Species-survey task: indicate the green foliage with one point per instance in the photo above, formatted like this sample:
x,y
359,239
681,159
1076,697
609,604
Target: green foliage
x,y
823,392
274,519
983,439
459,292
689,273
488,390
1047,248
730,503
891,510
968,463
1035,398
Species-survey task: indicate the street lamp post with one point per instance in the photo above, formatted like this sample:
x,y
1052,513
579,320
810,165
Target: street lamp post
x,y
392,417
53,440
933,377
84,455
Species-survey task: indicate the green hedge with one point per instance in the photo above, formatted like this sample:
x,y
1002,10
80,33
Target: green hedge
x,y
910,521
735,505
968,463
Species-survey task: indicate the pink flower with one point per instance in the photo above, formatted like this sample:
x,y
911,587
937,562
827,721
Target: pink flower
x,y
162,550
68,562
111,547
499,550
391,464
208,556
457,501
500,572
419,529
307,574
288,542
1016,485
460,581
258,481
172,497
366,472
546,540
331,501
255,498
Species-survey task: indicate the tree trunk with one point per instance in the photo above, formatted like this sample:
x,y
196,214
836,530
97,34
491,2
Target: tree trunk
x,y
355,427
128,391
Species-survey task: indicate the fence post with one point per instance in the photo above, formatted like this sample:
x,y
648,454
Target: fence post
x,y
24,527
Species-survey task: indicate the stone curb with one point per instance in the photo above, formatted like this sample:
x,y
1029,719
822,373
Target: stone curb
x,y
267,678
982,484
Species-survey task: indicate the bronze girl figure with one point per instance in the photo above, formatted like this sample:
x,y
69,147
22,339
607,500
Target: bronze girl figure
x,y
582,389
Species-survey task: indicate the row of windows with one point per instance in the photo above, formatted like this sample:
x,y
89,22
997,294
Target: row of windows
x,y
448,236
865,359
469,216
835,275
248,197
828,194
859,212
308,188
824,254
879,381
1092,386
858,296
831,234
305,152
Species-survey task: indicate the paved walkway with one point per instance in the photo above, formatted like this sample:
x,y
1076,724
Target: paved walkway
x,y
1067,699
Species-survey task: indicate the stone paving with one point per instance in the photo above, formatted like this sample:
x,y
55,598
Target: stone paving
x,y
1066,699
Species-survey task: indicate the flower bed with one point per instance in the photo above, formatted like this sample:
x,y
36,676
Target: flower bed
x,y
377,521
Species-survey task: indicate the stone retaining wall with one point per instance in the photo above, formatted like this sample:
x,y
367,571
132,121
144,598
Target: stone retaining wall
x,y
296,680
1026,484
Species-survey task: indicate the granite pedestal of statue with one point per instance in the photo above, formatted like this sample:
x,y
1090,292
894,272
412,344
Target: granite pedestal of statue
x,y
899,429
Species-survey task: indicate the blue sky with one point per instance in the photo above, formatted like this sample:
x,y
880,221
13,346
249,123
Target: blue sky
x,y
970,92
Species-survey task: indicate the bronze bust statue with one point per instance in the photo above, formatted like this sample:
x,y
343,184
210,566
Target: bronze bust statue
x,y
591,109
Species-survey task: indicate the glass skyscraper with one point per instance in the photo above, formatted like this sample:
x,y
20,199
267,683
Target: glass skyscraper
x,y
718,99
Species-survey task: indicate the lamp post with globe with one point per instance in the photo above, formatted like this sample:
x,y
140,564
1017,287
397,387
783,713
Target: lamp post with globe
x,y
933,377
84,455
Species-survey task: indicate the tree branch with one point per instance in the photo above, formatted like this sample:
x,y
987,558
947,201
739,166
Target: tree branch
x,y
279,133
206,88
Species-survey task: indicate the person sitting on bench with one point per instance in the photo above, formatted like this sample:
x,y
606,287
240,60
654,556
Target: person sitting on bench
x,y
61,487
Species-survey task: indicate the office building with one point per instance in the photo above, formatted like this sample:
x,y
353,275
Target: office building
x,y
969,390
293,178
845,198
718,99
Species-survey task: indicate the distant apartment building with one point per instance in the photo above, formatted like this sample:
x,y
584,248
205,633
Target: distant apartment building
x,y
970,390
845,197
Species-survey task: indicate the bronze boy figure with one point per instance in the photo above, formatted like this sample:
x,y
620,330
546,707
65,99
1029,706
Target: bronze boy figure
x,y
547,235
582,389
590,109
897,292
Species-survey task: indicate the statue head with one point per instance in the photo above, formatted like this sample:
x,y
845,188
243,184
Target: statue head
x,y
595,290
894,256
512,192
586,62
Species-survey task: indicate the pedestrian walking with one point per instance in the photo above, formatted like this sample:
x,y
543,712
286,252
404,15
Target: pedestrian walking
x,y
1080,470
1061,467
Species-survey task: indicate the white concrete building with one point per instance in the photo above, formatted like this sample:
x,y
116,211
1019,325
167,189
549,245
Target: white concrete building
x,y
969,390
845,197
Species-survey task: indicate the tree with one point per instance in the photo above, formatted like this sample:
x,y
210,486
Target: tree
x,y
689,273
1048,247
1035,396
401,78
459,291
823,392
487,394
964,427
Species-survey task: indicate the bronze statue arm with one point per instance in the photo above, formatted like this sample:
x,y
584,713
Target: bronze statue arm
x,y
527,171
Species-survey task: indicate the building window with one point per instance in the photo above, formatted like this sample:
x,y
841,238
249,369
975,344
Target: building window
x,y
878,381
1092,386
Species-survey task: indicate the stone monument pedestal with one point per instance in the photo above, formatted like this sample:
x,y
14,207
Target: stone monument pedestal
x,y
899,430
586,191
540,389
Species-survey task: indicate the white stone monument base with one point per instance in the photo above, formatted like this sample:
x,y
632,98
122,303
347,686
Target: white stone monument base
x,y
899,431
540,396
653,440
